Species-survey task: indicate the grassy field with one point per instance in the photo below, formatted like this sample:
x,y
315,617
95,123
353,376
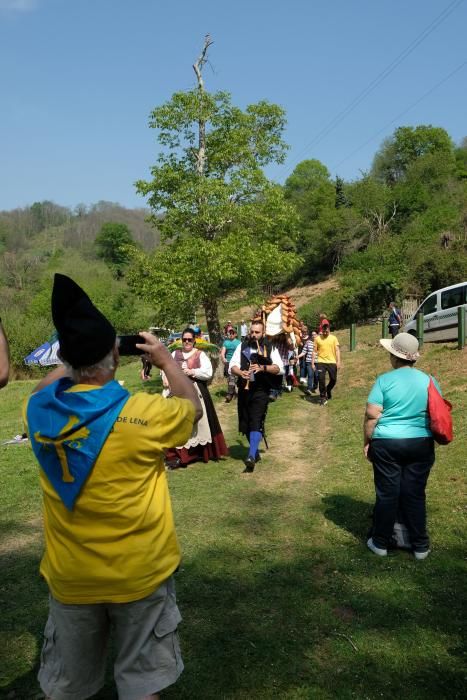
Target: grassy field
x,y
279,595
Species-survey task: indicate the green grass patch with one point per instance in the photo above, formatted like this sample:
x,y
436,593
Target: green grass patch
x,y
279,595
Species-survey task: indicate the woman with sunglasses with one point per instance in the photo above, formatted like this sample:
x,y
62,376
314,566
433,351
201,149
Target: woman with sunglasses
x,y
207,440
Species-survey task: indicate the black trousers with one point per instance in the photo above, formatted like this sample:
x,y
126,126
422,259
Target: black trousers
x,y
401,469
252,408
331,369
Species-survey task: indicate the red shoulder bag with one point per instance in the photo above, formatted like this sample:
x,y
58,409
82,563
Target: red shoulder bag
x,y
439,414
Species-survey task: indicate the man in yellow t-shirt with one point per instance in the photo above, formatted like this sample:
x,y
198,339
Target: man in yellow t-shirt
x,y
110,541
328,354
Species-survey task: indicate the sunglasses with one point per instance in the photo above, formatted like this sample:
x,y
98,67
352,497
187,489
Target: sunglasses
x,y
188,340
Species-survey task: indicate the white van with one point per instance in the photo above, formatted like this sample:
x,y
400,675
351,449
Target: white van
x,y
440,313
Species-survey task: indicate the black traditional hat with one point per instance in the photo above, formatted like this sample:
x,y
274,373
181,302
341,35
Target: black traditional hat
x,y
84,333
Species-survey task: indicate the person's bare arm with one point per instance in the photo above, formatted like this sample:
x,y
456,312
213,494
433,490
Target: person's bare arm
x,y
244,373
179,383
373,413
4,358
223,355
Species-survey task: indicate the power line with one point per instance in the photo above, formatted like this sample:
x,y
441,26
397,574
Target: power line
x,y
379,78
401,114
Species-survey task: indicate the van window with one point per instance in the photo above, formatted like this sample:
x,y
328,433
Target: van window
x,y
453,297
429,305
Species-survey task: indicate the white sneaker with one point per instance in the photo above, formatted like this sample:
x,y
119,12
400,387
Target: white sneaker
x,y
376,550
421,555
303,380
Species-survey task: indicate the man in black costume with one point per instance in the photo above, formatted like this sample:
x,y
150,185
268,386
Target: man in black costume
x,y
255,363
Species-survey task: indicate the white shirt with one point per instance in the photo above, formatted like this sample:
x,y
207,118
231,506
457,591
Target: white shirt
x,y
275,357
203,372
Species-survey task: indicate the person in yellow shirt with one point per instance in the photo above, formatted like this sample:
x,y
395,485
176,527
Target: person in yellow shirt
x,y
110,541
328,354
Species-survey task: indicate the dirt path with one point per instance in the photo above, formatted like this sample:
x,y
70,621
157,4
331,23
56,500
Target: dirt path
x,y
295,445
295,440
28,535
299,295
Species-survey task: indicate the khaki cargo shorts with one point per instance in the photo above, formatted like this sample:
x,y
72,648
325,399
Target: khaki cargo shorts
x,y
148,658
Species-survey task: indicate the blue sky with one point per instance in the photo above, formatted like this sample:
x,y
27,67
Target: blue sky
x,y
79,78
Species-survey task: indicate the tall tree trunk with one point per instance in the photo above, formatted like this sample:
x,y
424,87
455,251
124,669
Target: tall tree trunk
x,y
212,318
215,335
201,153
198,68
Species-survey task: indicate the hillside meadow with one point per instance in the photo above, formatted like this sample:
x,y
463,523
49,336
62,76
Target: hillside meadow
x,y
279,595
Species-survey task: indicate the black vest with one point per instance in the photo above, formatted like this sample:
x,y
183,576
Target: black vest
x,y
262,379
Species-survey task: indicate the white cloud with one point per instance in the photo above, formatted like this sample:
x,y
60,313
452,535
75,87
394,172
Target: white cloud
x,y
18,5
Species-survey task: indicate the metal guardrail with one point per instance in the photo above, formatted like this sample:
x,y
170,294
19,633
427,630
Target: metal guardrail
x,y
420,332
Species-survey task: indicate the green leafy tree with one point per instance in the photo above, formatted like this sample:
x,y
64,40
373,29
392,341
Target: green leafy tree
x,y
428,183
409,143
45,214
179,278
111,243
212,202
373,210
312,192
461,159
341,198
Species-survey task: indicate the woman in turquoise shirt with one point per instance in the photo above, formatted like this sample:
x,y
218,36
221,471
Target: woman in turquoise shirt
x,y
399,443
227,351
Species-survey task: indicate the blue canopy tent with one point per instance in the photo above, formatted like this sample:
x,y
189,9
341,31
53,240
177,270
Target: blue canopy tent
x,y
45,355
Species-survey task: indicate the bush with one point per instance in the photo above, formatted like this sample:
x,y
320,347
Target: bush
x,y
327,303
24,334
361,297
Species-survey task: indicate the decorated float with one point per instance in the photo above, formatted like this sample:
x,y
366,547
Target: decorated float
x,y
279,315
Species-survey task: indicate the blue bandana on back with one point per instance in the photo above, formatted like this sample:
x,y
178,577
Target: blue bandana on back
x,y
67,430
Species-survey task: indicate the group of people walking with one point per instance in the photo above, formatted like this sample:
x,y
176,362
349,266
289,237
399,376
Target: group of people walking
x,y
255,369
110,544
316,360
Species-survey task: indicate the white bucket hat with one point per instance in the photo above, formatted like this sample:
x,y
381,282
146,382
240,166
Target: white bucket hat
x,y
404,345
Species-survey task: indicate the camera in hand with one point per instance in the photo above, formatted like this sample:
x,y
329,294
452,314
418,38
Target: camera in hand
x,y
127,344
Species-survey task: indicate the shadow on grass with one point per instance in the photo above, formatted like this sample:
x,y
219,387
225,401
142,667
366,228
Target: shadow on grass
x,y
264,621
349,514
237,451
23,611
8,527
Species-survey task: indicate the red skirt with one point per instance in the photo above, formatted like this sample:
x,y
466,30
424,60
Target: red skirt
x,y
215,449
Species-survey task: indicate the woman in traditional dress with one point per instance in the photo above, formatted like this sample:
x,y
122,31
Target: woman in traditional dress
x,y
207,440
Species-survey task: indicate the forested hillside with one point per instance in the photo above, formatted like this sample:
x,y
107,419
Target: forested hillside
x,y
399,229
44,238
